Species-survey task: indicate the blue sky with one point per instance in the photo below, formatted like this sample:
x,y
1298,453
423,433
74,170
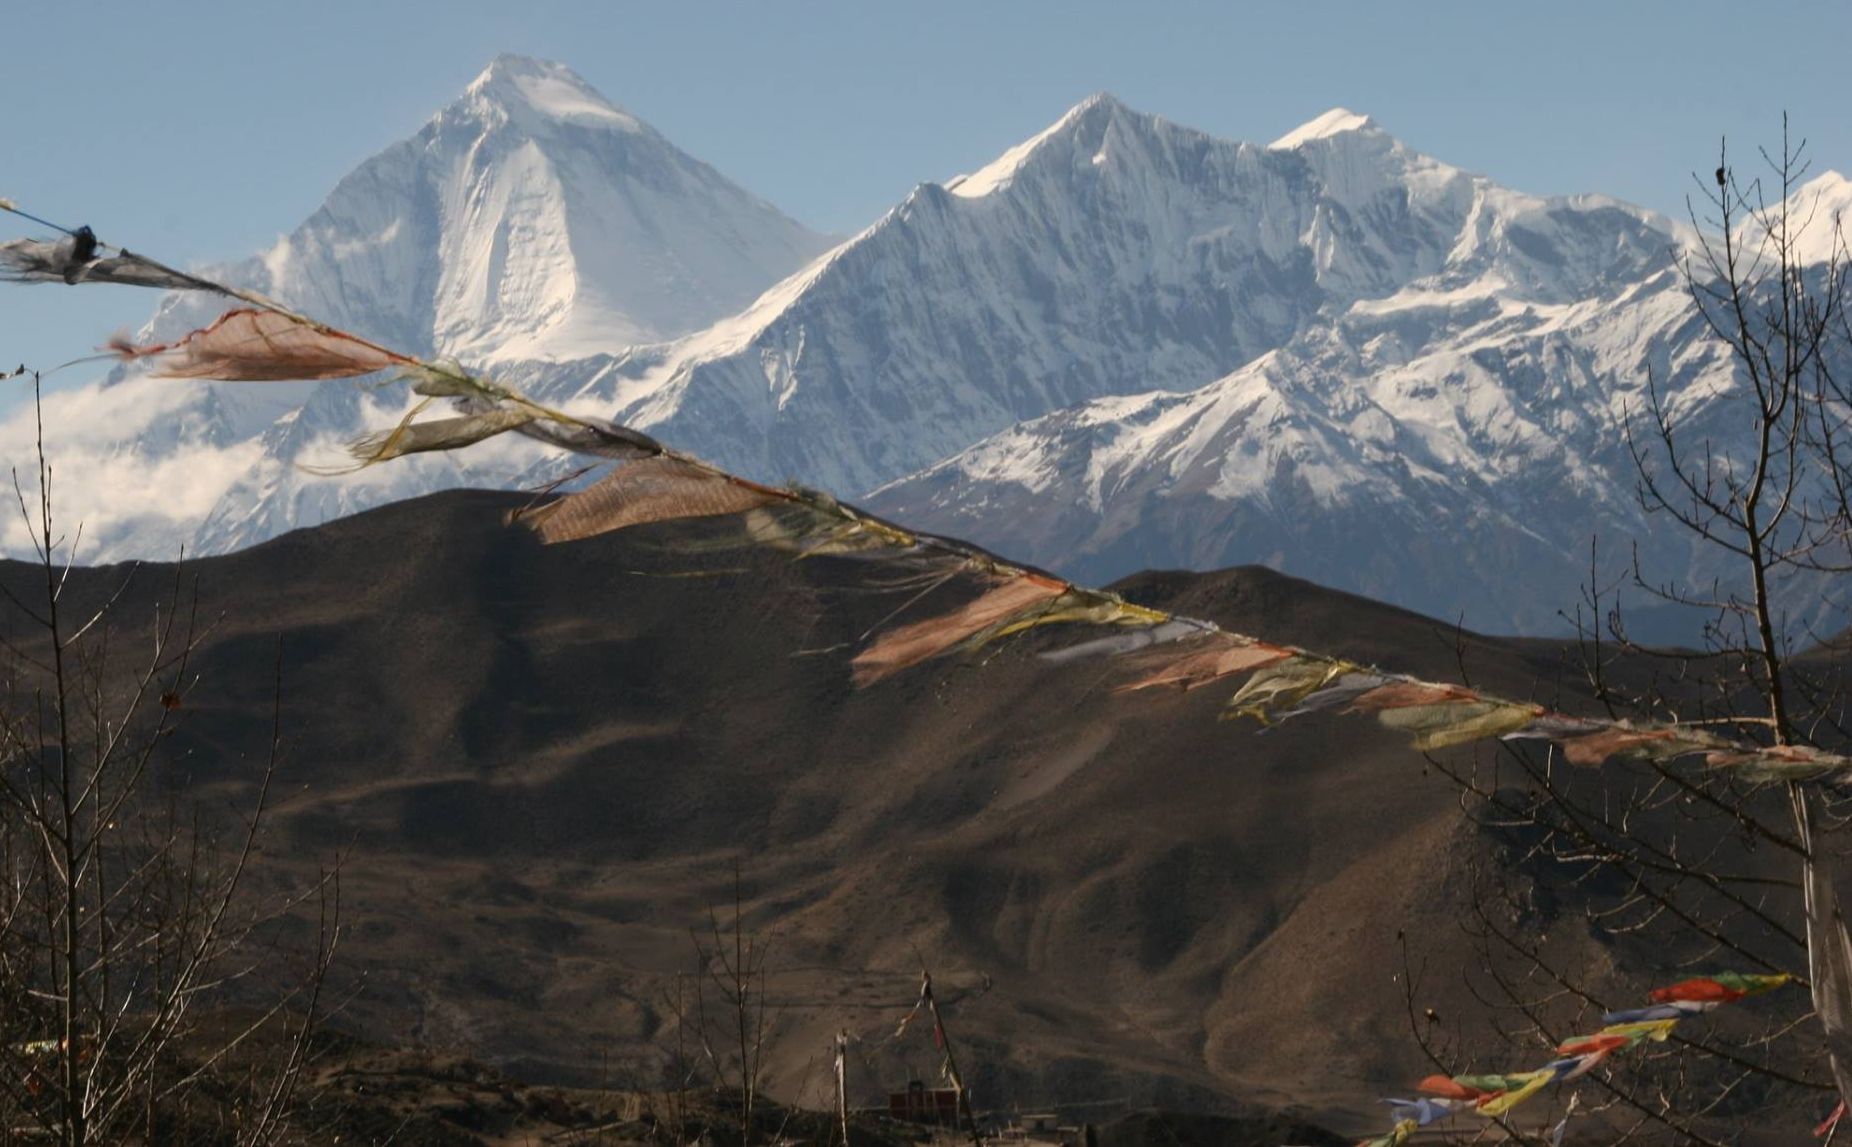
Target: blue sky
x,y
199,131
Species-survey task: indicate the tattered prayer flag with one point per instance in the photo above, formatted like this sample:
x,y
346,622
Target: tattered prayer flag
x,y
593,436
1397,1136
640,492
1282,686
1425,1110
908,645
1483,1090
1600,1043
1404,694
1073,607
1577,1066
1440,716
1669,1011
1118,643
1528,1085
262,346
1457,722
810,531
1777,762
1634,744
1347,687
1632,1033
1489,1094
924,1000
1450,1087
73,259
1557,727
1655,1030
1573,1067
410,437
1721,988
1216,656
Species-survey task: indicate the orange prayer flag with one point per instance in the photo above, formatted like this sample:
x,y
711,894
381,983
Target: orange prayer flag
x,y
647,490
263,346
1197,663
908,645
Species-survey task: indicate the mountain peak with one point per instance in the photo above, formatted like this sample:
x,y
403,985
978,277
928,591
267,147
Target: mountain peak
x,y
539,91
1088,116
1105,101
1337,121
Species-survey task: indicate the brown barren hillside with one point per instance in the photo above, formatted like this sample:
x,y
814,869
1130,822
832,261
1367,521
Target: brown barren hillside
x,y
544,764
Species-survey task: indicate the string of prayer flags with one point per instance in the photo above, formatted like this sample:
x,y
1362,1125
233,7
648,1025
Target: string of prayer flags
x,y
265,341
263,346
1495,1095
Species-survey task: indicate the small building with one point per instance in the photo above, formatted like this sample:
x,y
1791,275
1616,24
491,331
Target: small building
x,y
922,1104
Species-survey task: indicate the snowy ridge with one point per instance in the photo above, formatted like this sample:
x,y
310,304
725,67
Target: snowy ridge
x,y
1123,343
1334,122
1113,253
1452,447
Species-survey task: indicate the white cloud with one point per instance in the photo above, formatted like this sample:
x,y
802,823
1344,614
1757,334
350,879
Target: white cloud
x,y
100,441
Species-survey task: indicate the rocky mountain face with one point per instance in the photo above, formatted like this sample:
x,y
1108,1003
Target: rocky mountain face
x,y
1122,344
1457,444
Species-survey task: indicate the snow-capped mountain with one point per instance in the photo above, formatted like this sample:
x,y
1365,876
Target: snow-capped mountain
x,y
1122,343
1112,254
530,218
1456,444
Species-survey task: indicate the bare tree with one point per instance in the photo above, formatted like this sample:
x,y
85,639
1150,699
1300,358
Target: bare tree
x,y
731,963
1665,866
122,922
